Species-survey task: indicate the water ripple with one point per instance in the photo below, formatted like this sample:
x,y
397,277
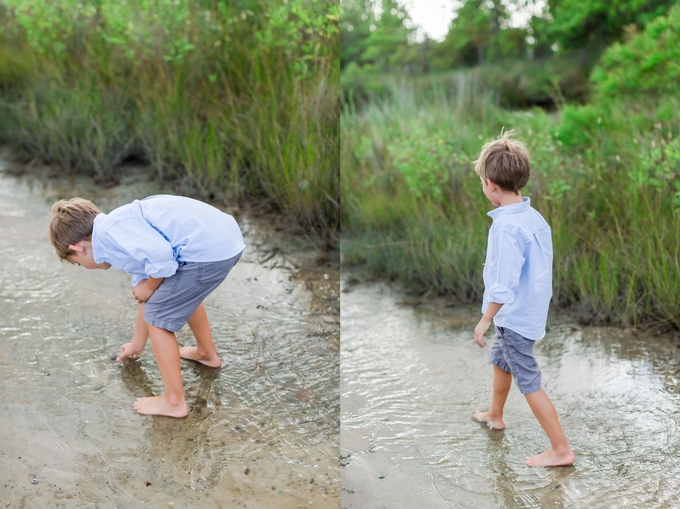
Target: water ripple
x,y
262,430
411,380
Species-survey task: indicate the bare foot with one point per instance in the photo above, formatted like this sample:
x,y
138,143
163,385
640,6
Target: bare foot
x,y
158,405
491,422
552,459
191,353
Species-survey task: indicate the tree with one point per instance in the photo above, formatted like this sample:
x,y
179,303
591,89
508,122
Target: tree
x,y
389,40
648,63
575,24
356,18
474,33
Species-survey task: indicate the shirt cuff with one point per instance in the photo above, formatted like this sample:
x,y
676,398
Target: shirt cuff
x,y
501,294
137,278
162,270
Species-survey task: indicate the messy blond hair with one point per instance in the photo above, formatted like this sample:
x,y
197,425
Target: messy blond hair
x,y
505,162
72,221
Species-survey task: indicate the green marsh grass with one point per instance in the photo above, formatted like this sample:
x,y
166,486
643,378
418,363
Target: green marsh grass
x,y
605,178
238,100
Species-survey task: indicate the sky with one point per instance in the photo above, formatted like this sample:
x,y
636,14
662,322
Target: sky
x,y
432,17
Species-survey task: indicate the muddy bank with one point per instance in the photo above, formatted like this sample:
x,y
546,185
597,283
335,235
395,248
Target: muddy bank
x,y
262,431
412,377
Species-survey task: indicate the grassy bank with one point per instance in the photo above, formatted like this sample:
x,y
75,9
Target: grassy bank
x,y
236,99
517,83
605,177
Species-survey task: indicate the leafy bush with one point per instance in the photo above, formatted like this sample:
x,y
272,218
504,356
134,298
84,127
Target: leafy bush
x,y
605,176
646,63
516,83
239,99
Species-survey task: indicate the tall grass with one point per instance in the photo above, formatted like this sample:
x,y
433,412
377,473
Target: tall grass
x,y
606,178
237,99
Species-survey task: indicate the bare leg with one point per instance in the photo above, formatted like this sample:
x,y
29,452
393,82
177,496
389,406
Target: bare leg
x,y
171,403
204,351
141,329
502,381
560,453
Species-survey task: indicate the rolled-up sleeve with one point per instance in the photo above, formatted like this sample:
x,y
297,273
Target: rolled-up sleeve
x,y
509,253
145,247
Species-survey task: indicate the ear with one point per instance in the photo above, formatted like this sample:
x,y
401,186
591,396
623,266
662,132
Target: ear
x,y
490,185
78,247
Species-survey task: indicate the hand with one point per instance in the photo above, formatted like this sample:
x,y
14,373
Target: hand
x,y
129,350
143,291
480,331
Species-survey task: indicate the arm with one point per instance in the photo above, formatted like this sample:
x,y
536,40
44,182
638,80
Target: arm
x,y
145,288
136,347
138,248
483,325
503,278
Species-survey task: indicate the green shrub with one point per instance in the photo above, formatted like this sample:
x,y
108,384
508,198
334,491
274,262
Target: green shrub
x,y
646,63
239,99
413,209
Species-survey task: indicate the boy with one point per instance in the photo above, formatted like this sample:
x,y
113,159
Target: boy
x,y
517,292
178,251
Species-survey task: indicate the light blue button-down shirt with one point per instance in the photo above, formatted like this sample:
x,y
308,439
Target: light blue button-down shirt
x,y
518,269
150,237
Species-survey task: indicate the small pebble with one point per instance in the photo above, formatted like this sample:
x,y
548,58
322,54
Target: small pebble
x,y
34,481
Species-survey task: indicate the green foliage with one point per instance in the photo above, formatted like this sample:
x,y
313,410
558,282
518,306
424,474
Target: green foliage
x,y
648,62
582,125
575,24
386,44
422,158
473,31
356,18
413,209
542,63
542,82
516,83
237,99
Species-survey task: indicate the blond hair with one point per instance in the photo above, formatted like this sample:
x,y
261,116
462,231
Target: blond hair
x,y
72,221
505,162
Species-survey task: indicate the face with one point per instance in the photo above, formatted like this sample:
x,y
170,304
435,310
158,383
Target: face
x,y
83,256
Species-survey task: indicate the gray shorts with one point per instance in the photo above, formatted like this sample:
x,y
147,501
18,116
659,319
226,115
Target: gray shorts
x,y
178,296
514,353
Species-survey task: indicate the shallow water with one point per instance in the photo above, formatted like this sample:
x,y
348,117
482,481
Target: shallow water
x,y
412,377
262,431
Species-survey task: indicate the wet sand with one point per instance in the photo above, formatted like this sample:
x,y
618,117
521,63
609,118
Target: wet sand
x,y
412,377
261,432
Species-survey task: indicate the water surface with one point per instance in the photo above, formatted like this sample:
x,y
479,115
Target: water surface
x,y
412,377
262,431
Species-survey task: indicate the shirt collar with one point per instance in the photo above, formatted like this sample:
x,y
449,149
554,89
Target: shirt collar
x,y
98,251
510,209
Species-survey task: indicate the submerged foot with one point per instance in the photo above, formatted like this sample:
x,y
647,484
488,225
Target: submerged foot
x,y
552,459
191,353
158,405
491,422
